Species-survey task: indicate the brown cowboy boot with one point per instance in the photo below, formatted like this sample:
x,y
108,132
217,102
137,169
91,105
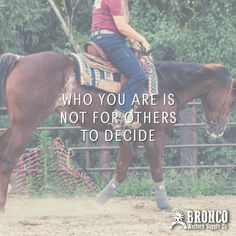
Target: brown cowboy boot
x,y
124,121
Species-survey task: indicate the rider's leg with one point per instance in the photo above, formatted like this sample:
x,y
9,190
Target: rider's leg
x,y
125,60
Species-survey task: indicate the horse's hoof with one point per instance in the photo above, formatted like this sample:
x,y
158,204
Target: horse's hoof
x,y
165,208
163,204
107,192
102,198
2,210
161,197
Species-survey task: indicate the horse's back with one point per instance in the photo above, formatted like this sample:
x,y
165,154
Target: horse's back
x,y
40,67
36,82
48,59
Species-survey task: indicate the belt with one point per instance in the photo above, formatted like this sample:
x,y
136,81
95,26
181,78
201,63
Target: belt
x,y
102,31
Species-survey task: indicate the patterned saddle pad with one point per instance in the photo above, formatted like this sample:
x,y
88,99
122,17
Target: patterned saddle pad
x,y
107,81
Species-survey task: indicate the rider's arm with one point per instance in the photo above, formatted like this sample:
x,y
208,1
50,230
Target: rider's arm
x,y
128,31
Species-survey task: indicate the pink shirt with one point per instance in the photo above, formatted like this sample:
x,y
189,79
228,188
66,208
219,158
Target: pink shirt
x,y
103,12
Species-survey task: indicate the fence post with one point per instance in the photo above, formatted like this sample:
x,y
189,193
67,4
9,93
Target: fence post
x,y
87,153
188,135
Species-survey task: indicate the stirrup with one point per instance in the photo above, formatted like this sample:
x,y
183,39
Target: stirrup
x,y
123,121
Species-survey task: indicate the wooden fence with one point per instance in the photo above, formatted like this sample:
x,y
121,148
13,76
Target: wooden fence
x,y
188,144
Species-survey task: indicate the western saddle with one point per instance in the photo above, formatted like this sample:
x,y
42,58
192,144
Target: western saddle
x,y
97,58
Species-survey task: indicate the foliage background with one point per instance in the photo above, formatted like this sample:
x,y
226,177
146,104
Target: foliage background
x,y
181,30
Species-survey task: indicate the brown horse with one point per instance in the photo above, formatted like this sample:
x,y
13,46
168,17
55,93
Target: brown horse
x,y
33,86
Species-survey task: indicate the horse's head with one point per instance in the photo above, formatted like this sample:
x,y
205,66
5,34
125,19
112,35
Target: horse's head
x,y
217,103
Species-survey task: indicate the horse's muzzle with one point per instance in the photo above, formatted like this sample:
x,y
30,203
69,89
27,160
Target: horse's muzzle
x,y
215,129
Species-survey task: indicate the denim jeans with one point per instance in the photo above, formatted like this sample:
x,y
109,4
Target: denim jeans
x,y
124,59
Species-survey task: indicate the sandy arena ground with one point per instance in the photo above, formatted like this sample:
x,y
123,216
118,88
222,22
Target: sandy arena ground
x,y
119,217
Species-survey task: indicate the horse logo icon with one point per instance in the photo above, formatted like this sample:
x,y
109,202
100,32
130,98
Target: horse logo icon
x,y
178,217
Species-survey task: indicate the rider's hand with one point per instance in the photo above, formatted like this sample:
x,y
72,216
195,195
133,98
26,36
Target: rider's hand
x,y
137,45
146,45
134,44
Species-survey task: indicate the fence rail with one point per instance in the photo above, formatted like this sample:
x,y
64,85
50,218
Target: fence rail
x,y
88,148
53,128
143,168
167,167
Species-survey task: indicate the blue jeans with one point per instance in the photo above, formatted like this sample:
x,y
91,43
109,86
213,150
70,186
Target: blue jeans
x,y
124,59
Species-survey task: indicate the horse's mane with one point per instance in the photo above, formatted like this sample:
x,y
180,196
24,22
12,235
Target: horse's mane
x,y
181,75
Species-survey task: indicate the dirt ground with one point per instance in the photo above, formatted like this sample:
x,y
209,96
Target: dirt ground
x,y
119,217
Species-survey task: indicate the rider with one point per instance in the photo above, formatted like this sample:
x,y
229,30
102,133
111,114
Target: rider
x,y
110,29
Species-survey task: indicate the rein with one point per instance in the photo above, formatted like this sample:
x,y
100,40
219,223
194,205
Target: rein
x,y
226,99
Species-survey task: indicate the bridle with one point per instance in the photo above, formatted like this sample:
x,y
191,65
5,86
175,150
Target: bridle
x,y
224,103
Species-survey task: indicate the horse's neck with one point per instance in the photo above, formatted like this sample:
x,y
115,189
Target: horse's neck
x,y
195,91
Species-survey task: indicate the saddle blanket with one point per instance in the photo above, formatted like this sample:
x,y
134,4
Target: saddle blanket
x,y
108,81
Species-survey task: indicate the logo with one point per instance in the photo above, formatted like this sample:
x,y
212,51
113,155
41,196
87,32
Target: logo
x,y
201,220
178,218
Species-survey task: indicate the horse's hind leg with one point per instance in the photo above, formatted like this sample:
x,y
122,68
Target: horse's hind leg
x,y
4,139
15,140
124,157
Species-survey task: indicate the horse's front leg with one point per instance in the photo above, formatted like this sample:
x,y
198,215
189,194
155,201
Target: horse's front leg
x,y
155,152
125,155
4,139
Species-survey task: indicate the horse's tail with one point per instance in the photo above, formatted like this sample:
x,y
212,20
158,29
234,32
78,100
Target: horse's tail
x,y
7,63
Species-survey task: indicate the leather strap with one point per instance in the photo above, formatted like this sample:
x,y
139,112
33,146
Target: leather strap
x,y
100,51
